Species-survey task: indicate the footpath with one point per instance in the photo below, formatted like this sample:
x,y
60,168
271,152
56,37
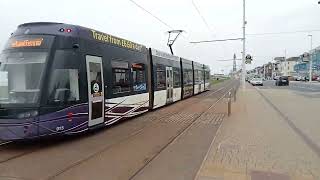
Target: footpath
x,y
256,143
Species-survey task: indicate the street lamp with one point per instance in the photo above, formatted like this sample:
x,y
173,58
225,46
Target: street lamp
x,y
310,61
244,72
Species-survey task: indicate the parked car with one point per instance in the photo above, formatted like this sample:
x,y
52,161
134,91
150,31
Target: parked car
x,y
282,80
257,82
300,78
276,77
314,77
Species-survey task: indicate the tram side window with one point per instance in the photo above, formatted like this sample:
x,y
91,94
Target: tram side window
x,y
207,74
176,78
187,77
161,77
139,77
121,77
201,77
64,78
196,77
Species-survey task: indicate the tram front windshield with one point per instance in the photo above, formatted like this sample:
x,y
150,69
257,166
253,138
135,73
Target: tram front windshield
x,y
20,74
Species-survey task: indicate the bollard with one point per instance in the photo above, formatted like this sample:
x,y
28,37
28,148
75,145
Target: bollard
x,y
229,104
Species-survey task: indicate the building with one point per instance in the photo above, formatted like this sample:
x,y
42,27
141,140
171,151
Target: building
x,y
285,67
268,70
289,66
303,66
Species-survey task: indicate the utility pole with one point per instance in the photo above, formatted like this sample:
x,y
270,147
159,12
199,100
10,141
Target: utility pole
x,y
244,72
234,63
310,61
264,71
285,63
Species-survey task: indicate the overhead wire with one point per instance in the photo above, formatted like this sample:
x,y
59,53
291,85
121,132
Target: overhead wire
x,y
201,16
154,16
207,26
279,33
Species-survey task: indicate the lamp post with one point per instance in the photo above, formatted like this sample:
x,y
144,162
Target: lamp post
x,y
310,61
285,72
244,47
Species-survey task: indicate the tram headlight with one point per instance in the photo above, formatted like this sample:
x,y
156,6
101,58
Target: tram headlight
x,y
28,114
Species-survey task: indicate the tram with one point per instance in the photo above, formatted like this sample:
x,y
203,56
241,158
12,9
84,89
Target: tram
x,y
62,79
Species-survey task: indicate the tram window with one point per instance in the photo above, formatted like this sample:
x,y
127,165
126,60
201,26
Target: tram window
x,y
20,74
176,78
196,77
139,77
201,78
64,78
187,77
207,74
161,77
121,81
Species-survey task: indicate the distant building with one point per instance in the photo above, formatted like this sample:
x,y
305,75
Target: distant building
x,y
302,67
268,70
289,66
285,67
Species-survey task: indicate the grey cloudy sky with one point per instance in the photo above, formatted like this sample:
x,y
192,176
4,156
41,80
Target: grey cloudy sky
x,y
122,18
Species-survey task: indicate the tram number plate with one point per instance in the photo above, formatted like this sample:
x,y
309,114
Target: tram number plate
x,y
60,128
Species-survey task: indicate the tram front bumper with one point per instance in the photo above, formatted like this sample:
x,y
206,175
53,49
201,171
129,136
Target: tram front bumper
x,y
11,132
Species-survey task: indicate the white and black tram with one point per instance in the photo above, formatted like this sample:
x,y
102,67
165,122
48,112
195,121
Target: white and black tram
x,y
60,79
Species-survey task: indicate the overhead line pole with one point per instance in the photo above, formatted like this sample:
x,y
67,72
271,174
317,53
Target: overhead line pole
x,y
310,63
244,72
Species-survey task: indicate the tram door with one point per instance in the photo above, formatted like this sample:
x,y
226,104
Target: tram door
x,y
169,74
95,90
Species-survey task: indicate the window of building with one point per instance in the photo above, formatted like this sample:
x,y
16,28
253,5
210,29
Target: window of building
x,y
139,77
121,77
161,77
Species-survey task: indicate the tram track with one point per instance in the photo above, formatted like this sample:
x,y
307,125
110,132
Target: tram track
x,y
136,133
213,94
185,129
4,145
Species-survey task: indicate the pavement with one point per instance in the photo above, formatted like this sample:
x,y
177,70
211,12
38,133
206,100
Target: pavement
x,y
272,134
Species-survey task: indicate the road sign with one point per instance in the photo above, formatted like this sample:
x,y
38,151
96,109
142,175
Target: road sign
x,y
305,57
248,59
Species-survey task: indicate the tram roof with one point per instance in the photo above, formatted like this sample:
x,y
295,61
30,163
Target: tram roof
x,y
69,30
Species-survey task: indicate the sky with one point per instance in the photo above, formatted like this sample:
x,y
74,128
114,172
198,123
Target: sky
x,y
124,19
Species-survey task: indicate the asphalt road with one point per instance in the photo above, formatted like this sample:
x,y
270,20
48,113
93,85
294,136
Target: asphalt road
x,y
273,133
298,104
310,90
